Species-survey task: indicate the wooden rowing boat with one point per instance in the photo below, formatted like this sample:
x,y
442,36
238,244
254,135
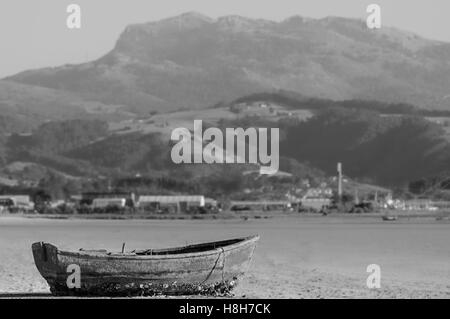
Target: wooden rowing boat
x,y
207,268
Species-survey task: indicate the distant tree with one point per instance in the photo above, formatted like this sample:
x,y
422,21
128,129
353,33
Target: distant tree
x,y
345,199
418,187
41,200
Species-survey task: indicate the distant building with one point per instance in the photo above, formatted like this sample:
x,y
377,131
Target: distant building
x,y
210,202
57,203
260,205
316,198
5,205
172,203
89,197
420,204
315,202
108,202
415,204
21,201
324,192
75,198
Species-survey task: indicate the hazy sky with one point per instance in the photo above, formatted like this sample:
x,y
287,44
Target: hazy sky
x,y
34,34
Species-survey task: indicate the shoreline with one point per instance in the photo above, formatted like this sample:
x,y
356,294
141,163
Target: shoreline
x,y
244,216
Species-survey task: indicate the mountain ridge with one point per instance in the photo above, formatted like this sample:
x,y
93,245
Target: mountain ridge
x,y
193,61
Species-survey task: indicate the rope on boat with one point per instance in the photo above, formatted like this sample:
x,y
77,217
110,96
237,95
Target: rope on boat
x,y
222,253
223,264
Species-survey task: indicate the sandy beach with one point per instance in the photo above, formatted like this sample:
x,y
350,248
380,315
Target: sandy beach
x,y
296,257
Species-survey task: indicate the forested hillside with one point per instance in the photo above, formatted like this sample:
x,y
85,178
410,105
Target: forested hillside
x,y
384,150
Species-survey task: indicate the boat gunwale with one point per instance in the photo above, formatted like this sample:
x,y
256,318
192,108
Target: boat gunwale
x,y
242,242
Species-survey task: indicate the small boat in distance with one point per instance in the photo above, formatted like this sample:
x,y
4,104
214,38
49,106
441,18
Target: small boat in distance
x,y
390,218
202,269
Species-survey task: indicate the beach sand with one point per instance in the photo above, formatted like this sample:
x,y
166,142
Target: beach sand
x,y
296,257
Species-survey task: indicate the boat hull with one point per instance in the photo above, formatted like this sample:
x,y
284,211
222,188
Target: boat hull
x,y
213,271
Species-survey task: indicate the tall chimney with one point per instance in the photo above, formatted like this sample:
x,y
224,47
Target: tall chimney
x,y
339,171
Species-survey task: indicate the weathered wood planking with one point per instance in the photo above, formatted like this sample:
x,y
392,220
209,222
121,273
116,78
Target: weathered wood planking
x,y
208,268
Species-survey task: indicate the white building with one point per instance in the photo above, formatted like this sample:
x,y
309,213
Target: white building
x,y
21,201
108,202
